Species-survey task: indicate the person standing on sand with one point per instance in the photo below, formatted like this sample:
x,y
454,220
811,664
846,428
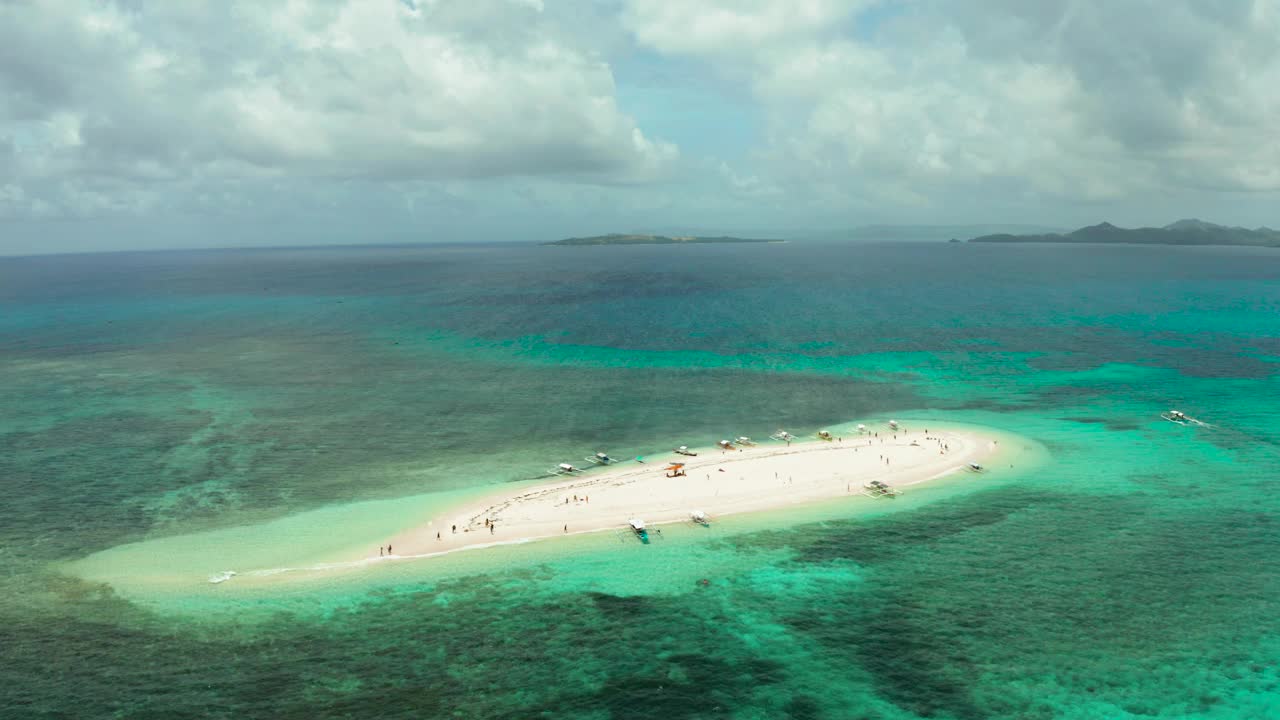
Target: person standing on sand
x,y
455,529
379,551
437,534
491,527
388,549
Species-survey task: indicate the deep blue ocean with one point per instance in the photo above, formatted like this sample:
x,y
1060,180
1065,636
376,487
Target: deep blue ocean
x,y
1136,574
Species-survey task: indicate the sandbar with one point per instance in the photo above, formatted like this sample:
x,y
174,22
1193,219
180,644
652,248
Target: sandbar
x,y
717,482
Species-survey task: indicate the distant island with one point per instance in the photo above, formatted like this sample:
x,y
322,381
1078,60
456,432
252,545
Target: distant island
x,y
622,239
1183,232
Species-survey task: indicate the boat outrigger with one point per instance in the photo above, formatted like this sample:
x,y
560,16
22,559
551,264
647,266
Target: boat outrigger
x,y
637,527
862,429
783,436
565,469
700,518
684,450
824,435
877,489
601,459
675,470
744,440
725,445
975,467
893,424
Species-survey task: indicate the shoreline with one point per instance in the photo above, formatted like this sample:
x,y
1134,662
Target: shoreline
x,y
785,483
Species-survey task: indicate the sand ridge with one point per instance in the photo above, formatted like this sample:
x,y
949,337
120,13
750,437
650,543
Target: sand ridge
x,y
718,482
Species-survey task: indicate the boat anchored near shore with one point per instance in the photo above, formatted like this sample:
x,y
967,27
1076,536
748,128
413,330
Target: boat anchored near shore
x,y
601,459
878,489
638,529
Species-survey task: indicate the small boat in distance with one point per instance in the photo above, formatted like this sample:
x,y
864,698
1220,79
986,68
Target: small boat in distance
x,y
893,424
684,450
744,440
700,518
601,459
975,467
637,527
783,436
565,469
862,429
725,445
1181,418
824,435
877,489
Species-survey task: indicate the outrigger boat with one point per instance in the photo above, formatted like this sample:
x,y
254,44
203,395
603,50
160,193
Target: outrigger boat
x,y
1181,418
565,469
893,424
675,470
824,435
637,527
877,489
783,436
684,450
601,459
975,467
744,440
725,445
862,429
700,518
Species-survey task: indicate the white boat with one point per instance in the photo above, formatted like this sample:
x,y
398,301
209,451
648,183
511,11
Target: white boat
x,y
700,517
744,440
783,436
877,489
637,527
893,424
565,469
684,450
824,435
601,459
725,445
1176,416
975,467
862,429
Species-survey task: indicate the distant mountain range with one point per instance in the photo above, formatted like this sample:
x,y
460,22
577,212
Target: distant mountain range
x,y
1183,232
634,239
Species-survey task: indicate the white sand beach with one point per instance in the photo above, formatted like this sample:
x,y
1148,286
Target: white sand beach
x,y
805,475
717,482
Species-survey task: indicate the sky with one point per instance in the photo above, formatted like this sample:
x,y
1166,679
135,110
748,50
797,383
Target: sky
x,y
132,124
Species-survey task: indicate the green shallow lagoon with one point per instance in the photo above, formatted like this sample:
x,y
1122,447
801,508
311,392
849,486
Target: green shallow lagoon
x,y
148,396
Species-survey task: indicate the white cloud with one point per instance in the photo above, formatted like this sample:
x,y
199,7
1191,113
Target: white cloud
x,y
943,103
341,90
714,26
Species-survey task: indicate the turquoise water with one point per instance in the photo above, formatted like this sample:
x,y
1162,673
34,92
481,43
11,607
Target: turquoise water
x,y
149,396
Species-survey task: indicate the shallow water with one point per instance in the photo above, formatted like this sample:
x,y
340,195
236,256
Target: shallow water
x,y
152,395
